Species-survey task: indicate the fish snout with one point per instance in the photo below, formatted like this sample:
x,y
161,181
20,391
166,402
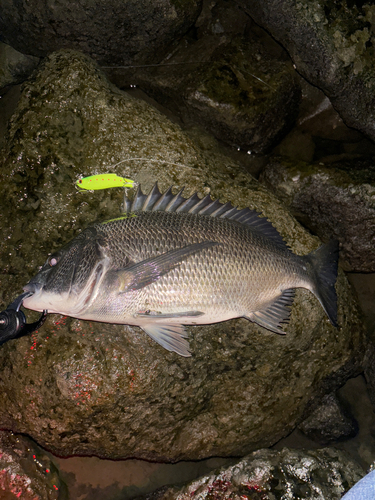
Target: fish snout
x,y
33,287
32,300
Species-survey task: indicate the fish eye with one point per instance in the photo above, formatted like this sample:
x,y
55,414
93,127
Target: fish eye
x,y
52,261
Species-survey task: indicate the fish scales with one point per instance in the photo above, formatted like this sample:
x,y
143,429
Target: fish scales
x,y
171,261
241,264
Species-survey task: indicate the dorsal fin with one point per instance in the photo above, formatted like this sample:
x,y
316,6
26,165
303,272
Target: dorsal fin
x,y
168,202
138,201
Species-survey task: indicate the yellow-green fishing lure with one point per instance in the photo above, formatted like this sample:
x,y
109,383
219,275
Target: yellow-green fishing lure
x,y
103,181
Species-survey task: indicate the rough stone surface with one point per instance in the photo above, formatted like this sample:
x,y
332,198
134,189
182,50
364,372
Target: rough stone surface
x,y
330,422
241,87
26,472
320,132
336,200
369,370
89,388
112,32
14,66
324,474
332,46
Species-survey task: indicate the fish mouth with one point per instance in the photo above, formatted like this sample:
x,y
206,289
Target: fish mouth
x,y
32,287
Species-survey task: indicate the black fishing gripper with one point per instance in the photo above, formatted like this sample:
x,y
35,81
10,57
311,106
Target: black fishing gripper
x,y
13,321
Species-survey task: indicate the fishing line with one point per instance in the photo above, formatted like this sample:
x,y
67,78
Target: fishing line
x,y
180,64
152,160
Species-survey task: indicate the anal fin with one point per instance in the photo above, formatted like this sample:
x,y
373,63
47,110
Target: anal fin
x,y
170,336
276,313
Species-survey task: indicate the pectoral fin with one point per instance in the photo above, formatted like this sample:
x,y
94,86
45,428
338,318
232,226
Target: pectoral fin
x,y
171,337
148,271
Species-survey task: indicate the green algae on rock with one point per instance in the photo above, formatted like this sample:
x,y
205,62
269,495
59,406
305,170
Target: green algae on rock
x,y
86,388
332,46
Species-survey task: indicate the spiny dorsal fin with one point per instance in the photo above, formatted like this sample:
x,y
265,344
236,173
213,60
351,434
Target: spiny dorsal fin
x,y
169,202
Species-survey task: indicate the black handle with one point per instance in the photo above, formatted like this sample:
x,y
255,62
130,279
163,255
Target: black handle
x,y
13,321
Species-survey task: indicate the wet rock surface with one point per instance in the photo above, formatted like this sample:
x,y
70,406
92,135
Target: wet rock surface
x,y
331,45
266,475
87,388
232,78
26,471
331,422
335,200
111,32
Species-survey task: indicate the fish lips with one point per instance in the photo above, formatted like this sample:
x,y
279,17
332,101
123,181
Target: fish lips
x,y
33,287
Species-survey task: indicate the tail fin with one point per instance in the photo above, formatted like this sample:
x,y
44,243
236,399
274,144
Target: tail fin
x,y
324,262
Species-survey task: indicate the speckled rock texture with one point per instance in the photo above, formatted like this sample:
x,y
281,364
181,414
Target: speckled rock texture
x,y
324,474
26,472
335,200
233,79
332,46
331,422
87,388
111,31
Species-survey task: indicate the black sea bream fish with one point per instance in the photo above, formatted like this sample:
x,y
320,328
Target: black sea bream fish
x,y
169,261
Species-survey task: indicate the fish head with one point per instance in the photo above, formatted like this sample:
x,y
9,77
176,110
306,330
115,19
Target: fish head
x,y
66,282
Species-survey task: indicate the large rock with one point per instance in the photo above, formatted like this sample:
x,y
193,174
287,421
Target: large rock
x,y
268,474
332,46
335,200
242,88
86,388
112,32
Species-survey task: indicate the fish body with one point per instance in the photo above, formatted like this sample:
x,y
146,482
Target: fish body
x,y
103,181
169,261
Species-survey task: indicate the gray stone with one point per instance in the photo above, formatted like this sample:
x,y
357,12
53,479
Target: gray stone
x,y
335,200
79,387
27,472
324,474
332,46
112,32
241,88
320,131
330,422
369,369
14,66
